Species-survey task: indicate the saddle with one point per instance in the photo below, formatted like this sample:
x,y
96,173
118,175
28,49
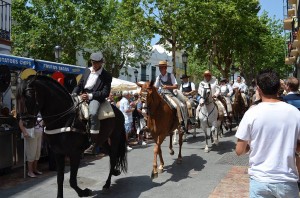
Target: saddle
x,y
105,109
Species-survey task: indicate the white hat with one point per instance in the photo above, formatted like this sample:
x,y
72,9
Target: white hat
x,y
96,56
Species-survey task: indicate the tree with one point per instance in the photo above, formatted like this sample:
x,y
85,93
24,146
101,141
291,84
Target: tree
x,y
87,26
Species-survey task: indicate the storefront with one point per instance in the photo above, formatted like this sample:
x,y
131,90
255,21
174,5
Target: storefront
x,y
12,70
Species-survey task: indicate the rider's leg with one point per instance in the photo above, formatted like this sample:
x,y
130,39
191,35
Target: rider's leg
x,y
179,113
94,126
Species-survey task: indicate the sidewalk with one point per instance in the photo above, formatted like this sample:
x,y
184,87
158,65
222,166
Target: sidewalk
x,y
234,185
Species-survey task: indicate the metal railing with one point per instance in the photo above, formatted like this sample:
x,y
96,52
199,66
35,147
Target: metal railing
x,y
5,20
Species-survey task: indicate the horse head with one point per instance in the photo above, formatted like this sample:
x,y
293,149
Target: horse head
x,y
27,107
205,92
147,92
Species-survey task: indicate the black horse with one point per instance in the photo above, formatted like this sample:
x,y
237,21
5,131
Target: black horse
x,y
59,113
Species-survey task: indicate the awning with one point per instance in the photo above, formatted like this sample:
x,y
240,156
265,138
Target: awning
x,y
42,65
15,61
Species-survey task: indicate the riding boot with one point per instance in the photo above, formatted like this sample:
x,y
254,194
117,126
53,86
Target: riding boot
x,y
92,149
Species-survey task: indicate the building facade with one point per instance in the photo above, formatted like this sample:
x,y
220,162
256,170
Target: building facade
x,y
5,25
291,28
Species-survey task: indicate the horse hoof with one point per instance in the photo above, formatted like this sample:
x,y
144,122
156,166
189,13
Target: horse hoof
x,y
174,143
216,142
206,150
172,152
179,161
160,171
154,175
105,187
86,193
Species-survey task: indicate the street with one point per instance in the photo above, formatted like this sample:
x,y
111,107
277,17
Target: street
x,y
197,176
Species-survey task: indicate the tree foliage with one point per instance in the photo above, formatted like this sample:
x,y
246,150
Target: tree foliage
x,y
87,26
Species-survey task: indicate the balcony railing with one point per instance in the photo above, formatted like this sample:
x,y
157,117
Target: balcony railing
x,y
5,20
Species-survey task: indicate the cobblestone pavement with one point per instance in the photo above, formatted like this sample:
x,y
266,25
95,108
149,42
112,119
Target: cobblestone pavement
x,y
234,185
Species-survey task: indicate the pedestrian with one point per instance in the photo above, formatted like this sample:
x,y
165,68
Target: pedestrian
x,y
138,119
270,134
94,87
293,98
33,145
127,112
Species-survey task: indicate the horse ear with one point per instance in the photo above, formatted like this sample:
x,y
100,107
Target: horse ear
x,y
151,83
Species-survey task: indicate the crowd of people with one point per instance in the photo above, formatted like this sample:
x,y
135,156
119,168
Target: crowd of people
x,y
273,145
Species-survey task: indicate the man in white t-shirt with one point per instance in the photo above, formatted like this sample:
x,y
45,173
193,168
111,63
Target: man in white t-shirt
x,y
271,136
127,112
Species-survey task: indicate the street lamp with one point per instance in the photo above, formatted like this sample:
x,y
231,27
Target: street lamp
x,y
57,51
233,71
184,60
135,74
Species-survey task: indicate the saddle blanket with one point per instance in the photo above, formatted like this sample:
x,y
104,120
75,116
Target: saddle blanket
x,y
105,110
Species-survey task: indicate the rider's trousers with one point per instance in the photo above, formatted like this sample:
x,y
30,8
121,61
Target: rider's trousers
x,y
94,106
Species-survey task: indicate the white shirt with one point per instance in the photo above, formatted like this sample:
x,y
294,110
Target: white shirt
x,y
242,86
124,106
164,78
272,130
186,85
226,88
215,90
92,79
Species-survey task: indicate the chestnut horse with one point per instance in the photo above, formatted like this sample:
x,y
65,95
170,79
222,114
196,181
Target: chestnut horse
x,y
238,106
162,121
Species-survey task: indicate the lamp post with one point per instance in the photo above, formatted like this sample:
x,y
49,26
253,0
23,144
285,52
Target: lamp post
x,y
57,52
184,60
233,71
135,74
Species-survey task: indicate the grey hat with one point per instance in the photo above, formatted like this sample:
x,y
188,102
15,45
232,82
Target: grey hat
x,y
98,56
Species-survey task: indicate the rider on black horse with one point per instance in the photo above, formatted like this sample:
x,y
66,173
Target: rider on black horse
x,y
94,87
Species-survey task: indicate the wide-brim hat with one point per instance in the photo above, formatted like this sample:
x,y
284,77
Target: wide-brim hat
x,y
98,56
207,73
223,80
163,63
184,76
26,73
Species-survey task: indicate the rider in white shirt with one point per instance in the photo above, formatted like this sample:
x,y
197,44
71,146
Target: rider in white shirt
x,y
188,90
242,87
240,84
215,90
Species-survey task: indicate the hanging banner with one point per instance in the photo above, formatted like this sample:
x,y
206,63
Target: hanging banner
x,y
16,61
52,66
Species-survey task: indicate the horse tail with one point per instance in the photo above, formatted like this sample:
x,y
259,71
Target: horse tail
x,y
121,161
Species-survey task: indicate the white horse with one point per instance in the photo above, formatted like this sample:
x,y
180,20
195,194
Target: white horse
x,y
209,115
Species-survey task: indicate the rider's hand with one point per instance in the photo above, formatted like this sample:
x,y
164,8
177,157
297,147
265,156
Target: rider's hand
x,y
84,96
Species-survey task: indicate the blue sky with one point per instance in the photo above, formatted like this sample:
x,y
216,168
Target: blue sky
x,y
273,7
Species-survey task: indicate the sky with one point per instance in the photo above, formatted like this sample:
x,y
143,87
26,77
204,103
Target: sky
x,y
273,7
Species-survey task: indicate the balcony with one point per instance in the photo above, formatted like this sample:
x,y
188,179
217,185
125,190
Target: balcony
x,y
292,1
5,20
